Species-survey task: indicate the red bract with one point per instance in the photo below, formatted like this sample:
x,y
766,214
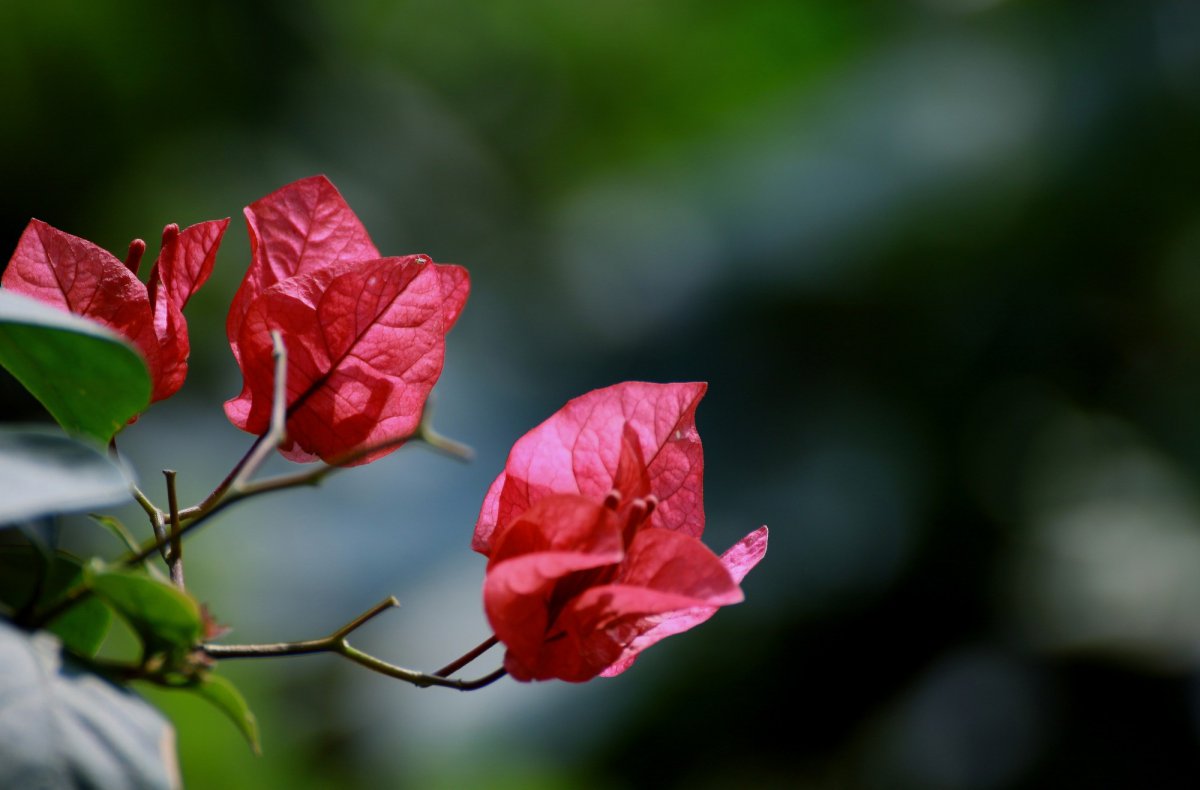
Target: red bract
x,y
592,535
365,334
77,276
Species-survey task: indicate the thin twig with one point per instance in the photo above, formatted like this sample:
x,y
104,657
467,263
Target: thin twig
x,y
261,449
238,485
156,521
463,660
151,509
444,444
338,643
419,679
300,648
195,517
277,429
175,555
210,501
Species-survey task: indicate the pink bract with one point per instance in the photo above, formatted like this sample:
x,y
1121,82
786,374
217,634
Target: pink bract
x,y
365,334
77,276
592,535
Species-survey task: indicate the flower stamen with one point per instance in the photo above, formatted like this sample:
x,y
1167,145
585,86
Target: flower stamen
x,y
170,234
133,258
639,511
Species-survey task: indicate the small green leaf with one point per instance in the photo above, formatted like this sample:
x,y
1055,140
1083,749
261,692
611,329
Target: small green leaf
x,y
221,692
45,472
89,379
162,615
118,529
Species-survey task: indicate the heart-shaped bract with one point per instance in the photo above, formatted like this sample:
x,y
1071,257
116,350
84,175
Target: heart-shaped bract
x,y
365,334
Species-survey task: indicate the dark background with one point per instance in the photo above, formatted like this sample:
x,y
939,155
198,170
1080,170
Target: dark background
x,y
939,262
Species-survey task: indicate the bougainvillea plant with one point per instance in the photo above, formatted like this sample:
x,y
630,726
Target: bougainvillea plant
x,y
591,532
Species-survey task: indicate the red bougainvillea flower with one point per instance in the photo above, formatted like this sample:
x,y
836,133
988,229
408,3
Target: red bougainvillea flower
x,y
365,334
592,535
77,276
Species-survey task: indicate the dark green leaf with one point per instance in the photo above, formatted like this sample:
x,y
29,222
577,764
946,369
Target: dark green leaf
x,y
221,692
61,726
87,377
45,472
162,615
22,571
41,532
26,573
82,628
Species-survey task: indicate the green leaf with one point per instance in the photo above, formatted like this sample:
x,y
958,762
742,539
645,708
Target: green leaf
x,y
22,569
117,529
82,628
89,379
221,692
45,472
162,615
61,726
26,573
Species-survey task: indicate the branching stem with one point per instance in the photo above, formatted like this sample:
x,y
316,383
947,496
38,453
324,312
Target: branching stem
x,y
244,469
243,488
338,642
238,485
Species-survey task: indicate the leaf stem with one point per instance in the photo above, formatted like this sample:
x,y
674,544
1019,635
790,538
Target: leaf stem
x,y
338,642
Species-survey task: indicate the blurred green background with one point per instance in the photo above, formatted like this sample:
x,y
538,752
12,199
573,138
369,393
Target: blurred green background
x,y
939,261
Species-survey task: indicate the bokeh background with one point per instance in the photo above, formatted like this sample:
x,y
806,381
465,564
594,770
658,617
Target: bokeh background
x,y
939,262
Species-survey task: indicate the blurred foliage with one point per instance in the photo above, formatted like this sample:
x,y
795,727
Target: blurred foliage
x,y
938,260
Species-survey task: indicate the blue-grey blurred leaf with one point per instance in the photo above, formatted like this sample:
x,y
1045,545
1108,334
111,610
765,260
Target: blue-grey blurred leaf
x,y
43,472
61,726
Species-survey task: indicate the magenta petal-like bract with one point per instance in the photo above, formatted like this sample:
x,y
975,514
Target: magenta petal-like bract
x,y
577,450
592,535
365,335
75,275
363,354
558,537
300,228
738,561
184,264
